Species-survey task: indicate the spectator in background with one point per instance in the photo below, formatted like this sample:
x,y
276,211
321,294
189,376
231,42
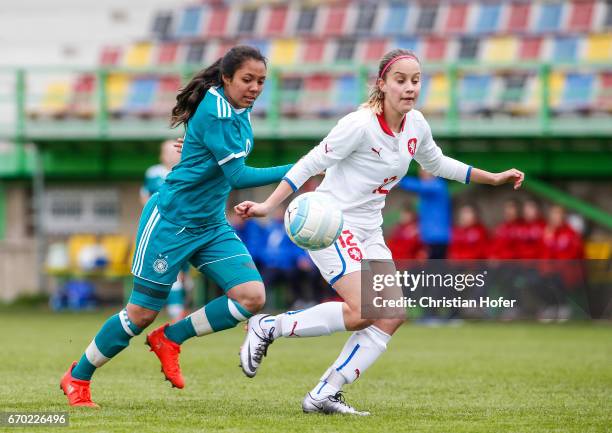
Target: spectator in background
x,y
404,240
154,178
252,233
532,233
564,248
434,203
286,263
507,235
470,239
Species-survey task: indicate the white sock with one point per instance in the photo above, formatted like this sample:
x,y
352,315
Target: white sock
x,y
358,354
322,319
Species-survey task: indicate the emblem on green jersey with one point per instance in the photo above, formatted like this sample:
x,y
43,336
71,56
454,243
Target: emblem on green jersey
x,y
160,265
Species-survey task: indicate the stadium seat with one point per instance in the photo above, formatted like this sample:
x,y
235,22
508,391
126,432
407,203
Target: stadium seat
x,y
557,84
335,21
409,43
316,98
291,87
138,55
141,96
366,14
581,16
437,94
56,99
283,52
263,45
456,17
518,20
500,49
110,56
191,22
599,48
262,105
166,53
549,19
165,97
474,93
488,18
345,50
373,50
435,48
82,103
277,20
512,93
116,92
217,22
346,94
578,92
530,48
566,49
396,19
603,100
313,50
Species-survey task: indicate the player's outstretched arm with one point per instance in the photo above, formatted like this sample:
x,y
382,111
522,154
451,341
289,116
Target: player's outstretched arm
x,y
513,176
248,209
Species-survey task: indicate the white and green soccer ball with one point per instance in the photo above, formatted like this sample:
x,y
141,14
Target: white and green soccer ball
x,y
312,221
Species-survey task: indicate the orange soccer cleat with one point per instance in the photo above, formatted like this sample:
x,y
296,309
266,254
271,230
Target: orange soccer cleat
x,y
168,353
76,390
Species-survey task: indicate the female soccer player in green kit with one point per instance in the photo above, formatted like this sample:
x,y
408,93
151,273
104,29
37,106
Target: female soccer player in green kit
x,y
186,221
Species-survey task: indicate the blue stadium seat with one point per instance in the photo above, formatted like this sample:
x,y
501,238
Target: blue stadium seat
x,y
347,93
262,105
550,17
578,91
263,45
191,22
488,19
474,93
425,86
141,95
408,43
566,49
395,24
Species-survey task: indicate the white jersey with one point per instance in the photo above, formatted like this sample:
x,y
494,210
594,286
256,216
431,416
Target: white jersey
x,y
364,159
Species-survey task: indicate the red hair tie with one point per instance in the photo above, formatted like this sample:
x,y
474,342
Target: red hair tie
x,y
395,59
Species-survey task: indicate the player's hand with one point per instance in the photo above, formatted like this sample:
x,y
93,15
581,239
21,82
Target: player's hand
x,y
510,176
178,145
249,209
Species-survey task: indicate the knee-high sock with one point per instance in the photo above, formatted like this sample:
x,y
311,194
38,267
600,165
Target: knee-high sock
x,y
175,303
219,314
322,319
358,354
113,337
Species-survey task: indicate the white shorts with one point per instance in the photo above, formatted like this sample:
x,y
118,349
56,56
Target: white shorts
x,y
345,255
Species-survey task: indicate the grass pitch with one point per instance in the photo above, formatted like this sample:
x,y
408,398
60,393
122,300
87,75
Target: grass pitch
x,y
475,378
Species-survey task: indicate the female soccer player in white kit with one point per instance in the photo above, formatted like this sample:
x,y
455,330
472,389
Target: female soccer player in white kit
x,y
364,156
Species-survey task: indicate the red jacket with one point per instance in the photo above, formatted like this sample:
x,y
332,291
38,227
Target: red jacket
x,y
507,240
563,243
532,240
405,241
469,242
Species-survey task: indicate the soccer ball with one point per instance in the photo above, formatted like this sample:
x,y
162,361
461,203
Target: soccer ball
x,y
312,221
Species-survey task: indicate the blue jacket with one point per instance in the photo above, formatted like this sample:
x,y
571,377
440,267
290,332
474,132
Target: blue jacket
x,y
434,208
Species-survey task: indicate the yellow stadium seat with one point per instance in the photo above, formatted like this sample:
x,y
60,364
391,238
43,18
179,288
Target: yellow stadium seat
x,y
557,83
76,243
599,48
438,95
501,49
117,248
116,90
56,98
139,55
598,250
283,52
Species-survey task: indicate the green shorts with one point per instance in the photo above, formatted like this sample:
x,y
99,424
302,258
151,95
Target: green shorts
x,y
162,249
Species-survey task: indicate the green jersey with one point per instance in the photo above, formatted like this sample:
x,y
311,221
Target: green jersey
x,y
218,139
